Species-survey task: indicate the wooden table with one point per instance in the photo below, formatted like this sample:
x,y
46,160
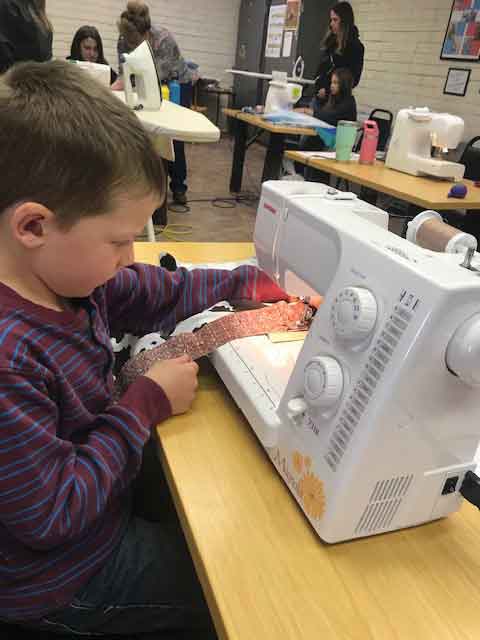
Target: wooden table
x,y
276,145
427,193
265,573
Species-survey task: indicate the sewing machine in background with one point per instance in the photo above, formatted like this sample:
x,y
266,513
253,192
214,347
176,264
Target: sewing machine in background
x,y
283,91
372,421
415,134
281,95
101,72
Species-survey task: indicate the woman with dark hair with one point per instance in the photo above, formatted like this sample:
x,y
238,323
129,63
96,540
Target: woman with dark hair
x,y
338,105
342,48
87,46
135,27
25,32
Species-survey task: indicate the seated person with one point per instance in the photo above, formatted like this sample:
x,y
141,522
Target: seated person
x,y
76,555
87,46
339,105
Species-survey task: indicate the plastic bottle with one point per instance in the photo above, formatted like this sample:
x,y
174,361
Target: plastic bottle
x,y
174,87
165,91
369,145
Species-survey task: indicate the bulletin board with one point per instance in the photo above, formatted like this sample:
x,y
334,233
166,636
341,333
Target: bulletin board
x,y
462,37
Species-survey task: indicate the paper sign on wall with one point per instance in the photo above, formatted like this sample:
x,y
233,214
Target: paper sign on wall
x,y
276,22
287,44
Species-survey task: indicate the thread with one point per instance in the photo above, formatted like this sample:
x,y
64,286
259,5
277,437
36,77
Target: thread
x,y
435,235
429,231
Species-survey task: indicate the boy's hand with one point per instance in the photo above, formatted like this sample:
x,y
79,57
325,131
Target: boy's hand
x,y
178,379
313,301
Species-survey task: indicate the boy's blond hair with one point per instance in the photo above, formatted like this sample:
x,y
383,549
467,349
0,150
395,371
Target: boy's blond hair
x,y
68,143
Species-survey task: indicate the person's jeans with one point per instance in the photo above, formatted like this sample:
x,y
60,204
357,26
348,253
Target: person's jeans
x,y
178,169
148,584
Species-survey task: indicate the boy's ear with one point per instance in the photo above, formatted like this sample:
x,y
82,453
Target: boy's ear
x,y
30,223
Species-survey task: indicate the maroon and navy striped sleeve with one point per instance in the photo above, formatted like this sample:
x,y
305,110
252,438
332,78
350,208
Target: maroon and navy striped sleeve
x,y
51,489
144,298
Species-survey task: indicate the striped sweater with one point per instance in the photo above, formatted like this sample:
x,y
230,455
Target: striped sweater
x,y
68,454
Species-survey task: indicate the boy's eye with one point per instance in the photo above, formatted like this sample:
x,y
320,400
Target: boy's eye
x,y
121,243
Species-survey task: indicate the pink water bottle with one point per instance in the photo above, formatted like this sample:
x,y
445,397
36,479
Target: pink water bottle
x,y
369,142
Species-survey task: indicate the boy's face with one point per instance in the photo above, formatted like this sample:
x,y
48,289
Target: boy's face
x,y
73,263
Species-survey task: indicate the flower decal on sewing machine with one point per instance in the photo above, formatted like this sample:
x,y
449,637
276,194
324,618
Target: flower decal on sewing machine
x,y
309,487
312,495
297,462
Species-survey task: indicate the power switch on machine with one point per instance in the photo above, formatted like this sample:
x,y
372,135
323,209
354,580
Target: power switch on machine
x,y
450,485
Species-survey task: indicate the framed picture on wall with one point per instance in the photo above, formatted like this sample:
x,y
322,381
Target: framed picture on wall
x,y
462,37
457,82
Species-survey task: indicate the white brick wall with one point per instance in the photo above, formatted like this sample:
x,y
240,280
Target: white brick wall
x,y
403,40
206,30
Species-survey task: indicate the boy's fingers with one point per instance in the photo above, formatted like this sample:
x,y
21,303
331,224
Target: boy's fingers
x,y
184,358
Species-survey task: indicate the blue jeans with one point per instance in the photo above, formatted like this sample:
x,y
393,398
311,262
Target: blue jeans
x,y
178,169
147,585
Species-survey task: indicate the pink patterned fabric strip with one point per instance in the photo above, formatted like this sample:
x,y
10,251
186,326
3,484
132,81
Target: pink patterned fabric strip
x,y
277,317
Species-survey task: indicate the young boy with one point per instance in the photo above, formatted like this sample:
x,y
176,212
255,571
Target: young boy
x,y
79,179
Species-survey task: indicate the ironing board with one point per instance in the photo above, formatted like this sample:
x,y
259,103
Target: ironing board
x,y
173,122
177,123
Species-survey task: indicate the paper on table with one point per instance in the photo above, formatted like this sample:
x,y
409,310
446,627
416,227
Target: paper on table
x,y
326,155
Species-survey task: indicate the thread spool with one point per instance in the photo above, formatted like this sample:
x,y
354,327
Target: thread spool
x,y
429,231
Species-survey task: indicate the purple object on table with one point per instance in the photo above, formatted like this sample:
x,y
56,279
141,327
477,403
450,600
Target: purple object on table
x,y
458,191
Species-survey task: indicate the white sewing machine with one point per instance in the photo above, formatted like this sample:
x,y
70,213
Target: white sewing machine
x,y
374,420
415,133
283,91
101,72
281,95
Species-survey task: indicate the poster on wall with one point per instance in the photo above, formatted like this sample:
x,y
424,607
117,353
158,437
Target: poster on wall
x,y
292,19
462,37
276,22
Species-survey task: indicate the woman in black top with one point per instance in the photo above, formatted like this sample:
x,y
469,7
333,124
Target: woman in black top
x,y
342,49
25,32
87,46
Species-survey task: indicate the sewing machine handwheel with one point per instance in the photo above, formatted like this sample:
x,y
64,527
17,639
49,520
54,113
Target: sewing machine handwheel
x,y
463,352
323,380
354,313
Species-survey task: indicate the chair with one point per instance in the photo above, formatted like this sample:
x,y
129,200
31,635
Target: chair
x,y
384,120
471,159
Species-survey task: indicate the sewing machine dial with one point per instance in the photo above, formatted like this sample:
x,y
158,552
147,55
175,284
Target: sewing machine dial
x,y
354,313
323,381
